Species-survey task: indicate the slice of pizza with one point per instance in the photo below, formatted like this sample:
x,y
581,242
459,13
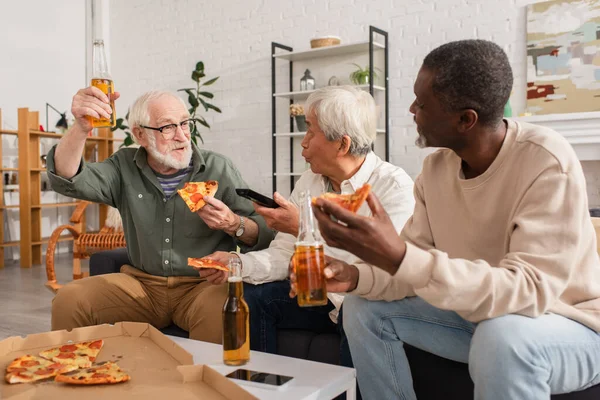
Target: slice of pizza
x,y
350,202
193,193
80,354
102,374
30,368
207,263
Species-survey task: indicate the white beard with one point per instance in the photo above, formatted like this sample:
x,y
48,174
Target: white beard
x,y
167,160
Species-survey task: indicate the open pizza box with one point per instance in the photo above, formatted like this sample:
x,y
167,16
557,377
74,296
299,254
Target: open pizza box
x,y
159,368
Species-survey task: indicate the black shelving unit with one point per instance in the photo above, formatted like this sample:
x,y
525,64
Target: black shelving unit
x,y
373,46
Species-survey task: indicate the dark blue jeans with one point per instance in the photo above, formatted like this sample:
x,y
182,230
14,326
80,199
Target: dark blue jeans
x,y
271,308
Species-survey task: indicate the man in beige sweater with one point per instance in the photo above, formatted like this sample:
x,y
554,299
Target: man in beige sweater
x,y
498,265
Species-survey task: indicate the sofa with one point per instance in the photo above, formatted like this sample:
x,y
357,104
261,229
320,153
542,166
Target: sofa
x,y
433,377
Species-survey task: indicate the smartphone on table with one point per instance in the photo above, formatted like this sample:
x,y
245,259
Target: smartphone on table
x,y
260,379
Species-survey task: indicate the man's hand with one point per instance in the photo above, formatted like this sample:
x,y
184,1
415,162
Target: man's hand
x,y
216,276
91,102
218,216
282,219
372,239
340,277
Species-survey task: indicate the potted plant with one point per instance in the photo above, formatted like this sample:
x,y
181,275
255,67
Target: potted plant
x,y
297,111
361,75
196,96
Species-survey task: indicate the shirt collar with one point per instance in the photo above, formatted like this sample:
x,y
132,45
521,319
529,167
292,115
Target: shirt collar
x,y
360,177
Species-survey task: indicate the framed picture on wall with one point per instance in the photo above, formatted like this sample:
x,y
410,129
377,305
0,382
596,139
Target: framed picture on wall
x,y
563,56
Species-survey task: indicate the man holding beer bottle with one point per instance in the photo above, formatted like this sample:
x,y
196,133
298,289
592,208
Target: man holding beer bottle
x,y
161,232
341,123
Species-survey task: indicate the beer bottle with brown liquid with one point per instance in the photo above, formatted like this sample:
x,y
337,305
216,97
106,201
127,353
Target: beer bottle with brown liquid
x,y
102,80
308,260
236,319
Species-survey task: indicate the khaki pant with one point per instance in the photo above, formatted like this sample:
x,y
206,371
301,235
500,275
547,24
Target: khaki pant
x,y
132,295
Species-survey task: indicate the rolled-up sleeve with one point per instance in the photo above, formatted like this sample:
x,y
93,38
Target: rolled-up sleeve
x,y
97,182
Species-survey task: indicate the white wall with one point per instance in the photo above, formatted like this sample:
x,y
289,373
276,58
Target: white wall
x,y
42,59
155,44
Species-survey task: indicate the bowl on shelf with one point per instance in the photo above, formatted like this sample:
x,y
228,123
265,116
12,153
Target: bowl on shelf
x,y
324,41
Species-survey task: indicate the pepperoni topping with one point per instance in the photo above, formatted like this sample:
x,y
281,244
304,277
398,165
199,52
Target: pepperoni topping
x,y
65,355
44,371
68,348
55,366
29,363
211,183
22,375
96,345
190,188
18,370
196,197
92,358
100,375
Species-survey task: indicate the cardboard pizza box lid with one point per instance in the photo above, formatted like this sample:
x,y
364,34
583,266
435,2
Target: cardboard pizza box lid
x,y
147,355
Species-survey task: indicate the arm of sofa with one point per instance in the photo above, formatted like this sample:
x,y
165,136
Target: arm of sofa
x,y
108,261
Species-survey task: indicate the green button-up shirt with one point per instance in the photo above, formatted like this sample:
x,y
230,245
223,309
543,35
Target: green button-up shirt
x,y
161,232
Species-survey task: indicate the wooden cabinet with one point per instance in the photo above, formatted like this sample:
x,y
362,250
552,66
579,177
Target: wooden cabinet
x,y
30,172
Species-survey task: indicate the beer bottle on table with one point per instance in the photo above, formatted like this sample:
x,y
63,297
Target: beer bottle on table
x,y
236,319
102,80
308,260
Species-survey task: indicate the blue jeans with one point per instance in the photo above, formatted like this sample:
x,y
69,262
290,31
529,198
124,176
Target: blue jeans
x,y
510,357
271,308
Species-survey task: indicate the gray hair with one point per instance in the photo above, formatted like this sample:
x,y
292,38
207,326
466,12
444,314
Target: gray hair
x,y
345,110
139,114
472,74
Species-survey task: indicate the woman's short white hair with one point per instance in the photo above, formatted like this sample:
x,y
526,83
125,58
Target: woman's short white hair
x,y
139,113
345,110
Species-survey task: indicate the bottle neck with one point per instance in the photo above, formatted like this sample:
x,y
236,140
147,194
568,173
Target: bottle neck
x,y
307,233
235,287
100,65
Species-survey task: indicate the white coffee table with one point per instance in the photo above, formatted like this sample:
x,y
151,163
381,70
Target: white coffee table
x,y
312,380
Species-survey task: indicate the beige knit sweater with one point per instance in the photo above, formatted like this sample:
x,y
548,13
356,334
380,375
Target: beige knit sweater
x,y
517,239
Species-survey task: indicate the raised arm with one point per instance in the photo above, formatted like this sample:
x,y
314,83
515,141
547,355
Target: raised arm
x,y
88,102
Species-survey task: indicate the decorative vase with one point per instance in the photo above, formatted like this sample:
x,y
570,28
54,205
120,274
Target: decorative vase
x,y
301,123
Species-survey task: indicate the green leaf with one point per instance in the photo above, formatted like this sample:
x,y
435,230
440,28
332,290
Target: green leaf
x,y
217,109
203,103
124,127
119,121
200,66
128,141
207,94
186,89
196,76
203,122
207,83
193,101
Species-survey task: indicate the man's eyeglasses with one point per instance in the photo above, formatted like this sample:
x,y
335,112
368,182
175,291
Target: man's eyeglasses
x,y
169,131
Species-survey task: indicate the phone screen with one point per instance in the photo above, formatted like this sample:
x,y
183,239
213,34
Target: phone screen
x,y
259,377
257,198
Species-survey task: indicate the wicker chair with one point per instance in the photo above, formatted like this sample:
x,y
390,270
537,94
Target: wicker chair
x,y
84,244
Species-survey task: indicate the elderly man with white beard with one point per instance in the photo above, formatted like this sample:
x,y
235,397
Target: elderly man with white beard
x,y
160,230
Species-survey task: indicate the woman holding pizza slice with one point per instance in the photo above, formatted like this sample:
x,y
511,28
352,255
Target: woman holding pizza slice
x,y
161,230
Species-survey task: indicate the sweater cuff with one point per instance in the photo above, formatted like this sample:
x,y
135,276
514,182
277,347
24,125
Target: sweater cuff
x,y
365,280
416,268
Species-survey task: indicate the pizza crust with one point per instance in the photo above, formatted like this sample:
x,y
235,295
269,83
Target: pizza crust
x,y
351,202
205,262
